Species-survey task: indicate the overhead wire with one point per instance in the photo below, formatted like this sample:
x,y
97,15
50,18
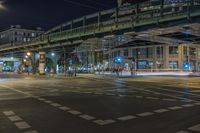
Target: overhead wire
x,y
81,4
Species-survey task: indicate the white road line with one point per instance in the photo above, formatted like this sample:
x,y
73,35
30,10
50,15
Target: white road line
x,y
152,98
64,108
8,113
87,117
34,131
146,90
182,132
48,101
161,110
104,122
22,125
56,104
181,92
168,99
13,89
125,118
36,97
175,107
74,112
188,105
145,114
98,93
197,103
41,99
139,96
195,128
110,94
14,118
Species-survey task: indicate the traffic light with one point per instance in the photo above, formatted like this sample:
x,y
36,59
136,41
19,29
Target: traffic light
x,y
118,59
186,66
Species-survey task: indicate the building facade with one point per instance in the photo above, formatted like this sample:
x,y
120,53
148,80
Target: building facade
x,y
16,35
162,57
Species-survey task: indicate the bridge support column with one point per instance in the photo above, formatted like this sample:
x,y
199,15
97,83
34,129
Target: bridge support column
x,y
180,57
42,63
166,56
154,58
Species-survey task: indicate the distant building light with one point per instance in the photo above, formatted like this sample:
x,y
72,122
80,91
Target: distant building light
x,y
28,53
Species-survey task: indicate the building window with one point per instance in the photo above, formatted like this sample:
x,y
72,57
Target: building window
x,y
142,52
3,36
24,39
173,64
33,34
173,50
185,50
118,53
134,52
126,52
15,33
115,54
150,52
28,39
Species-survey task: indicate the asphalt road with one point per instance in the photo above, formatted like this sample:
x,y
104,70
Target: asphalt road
x,y
92,104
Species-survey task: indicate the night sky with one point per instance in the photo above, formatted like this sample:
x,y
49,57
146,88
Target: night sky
x,y
48,13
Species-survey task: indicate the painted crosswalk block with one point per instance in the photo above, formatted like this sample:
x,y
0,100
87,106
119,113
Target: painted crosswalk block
x,y
14,118
87,117
195,128
22,125
145,114
8,113
129,117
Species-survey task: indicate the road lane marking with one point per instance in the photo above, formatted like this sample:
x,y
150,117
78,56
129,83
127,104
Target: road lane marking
x,y
168,99
14,118
175,107
145,114
197,103
64,108
195,128
74,112
34,131
139,96
161,110
188,105
48,101
152,98
182,132
13,89
41,99
87,117
22,125
125,118
8,113
55,104
104,122
18,121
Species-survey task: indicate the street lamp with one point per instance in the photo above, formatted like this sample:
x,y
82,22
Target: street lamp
x,y
28,53
52,54
1,5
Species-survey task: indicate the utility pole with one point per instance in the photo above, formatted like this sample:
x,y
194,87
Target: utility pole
x,y
75,61
65,62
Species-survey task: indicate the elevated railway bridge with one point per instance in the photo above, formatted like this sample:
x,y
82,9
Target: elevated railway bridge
x,y
141,18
